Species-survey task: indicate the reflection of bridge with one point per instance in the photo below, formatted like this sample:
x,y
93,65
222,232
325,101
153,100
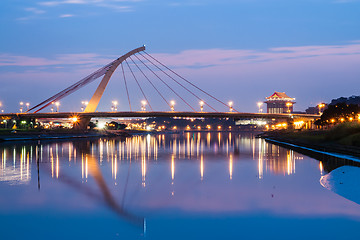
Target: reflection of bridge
x,y
142,62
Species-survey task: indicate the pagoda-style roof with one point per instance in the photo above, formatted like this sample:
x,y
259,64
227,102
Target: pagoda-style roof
x,y
280,96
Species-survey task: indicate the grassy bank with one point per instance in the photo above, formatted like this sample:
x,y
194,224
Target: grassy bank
x,y
343,138
346,134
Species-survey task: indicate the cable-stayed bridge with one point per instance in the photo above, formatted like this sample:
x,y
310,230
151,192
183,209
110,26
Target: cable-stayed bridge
x,y
144,68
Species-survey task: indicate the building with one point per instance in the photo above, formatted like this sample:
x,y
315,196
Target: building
x,y
319,109
279,102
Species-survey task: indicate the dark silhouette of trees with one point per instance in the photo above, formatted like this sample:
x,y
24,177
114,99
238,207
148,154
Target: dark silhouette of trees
x,y
340,112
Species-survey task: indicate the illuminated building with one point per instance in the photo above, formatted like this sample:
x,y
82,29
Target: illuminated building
x,y
279,102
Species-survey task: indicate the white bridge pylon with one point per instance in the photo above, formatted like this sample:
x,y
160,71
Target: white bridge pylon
x,y
94,101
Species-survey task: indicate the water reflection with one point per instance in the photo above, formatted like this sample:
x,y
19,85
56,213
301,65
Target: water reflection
x,y
145,148
176,176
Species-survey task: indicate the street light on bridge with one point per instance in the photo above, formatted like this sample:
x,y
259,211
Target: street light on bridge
x,y
201,106
230,106
27,106
143,105
260,106
57,104
114,105
83,105
21,106
172,105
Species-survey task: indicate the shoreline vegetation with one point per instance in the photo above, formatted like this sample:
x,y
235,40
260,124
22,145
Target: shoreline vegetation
x,y
341,141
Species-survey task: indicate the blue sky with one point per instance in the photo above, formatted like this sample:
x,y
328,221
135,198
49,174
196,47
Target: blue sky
x,y
239,50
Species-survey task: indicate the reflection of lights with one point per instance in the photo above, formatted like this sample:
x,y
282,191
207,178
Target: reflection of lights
x,y
172,167
202,167
261,160
321,167
290,160
143,170
230,166
57,161
82,166
52,163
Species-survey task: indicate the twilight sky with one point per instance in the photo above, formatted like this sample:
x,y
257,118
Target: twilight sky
x,y
239,50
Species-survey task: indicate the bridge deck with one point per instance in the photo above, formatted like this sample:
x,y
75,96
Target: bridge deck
x,y
144,114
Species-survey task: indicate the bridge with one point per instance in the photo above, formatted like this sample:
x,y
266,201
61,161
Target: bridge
x,y
145,114
142,61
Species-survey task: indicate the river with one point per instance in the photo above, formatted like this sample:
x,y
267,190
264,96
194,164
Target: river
x,y
194,185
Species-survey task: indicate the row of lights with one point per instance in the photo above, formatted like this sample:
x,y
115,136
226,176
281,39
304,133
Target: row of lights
x,y
114,105
144,103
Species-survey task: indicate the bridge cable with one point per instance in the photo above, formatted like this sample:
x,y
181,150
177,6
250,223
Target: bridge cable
x,y
88,79
179,83
138,85
189,82
127,92
150,82
164,83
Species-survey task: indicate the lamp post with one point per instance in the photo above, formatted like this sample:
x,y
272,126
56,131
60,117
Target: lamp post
x,y
2,110
21,106
143,105
114,107
27,106
230,106
172,105
57,104
83,105
260,106
201,106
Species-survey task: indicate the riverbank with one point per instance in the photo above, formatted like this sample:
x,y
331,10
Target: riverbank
x,y
33,135
340,142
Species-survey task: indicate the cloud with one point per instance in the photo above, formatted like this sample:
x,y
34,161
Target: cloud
x,y
220,57
61,59
56,3
88,2
34,10
198,58
345,1
66,15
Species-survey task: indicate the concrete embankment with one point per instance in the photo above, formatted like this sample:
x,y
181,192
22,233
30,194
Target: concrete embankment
x,y
315,151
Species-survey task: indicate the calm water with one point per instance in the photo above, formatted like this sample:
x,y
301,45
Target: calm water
x,y
192,185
